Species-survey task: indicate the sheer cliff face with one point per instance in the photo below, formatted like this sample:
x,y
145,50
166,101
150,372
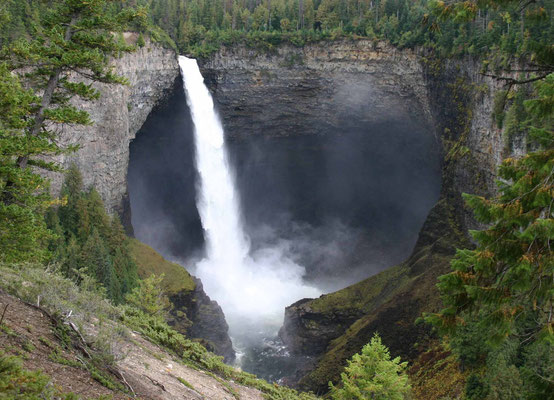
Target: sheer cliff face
x,y
328,86
317,88
103,154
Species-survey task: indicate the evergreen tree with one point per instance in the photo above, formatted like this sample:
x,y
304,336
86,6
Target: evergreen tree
x,y
148,296
74,40
71,194
71,260
96,260
23,233
372,374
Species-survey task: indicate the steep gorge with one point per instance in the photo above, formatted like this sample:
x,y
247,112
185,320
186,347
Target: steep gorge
x,y
451,96
310,92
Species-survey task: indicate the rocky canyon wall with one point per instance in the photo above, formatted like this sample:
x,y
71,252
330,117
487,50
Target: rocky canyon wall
x,y
103,154
316,88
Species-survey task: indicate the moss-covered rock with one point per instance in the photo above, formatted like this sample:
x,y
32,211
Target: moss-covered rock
x,y
193,313
149,262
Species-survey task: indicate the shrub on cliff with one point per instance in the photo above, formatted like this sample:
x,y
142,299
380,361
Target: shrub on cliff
x,y
148,296
372,374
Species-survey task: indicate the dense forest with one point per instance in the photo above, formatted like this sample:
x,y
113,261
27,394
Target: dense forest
x,y
507,29
498,316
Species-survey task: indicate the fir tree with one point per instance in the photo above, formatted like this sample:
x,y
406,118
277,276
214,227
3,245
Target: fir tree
x,y
71,194
23,233
372,374
509,276
148,296
96,260
75,39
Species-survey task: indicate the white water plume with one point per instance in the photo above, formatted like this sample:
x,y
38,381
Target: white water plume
x,y
253,288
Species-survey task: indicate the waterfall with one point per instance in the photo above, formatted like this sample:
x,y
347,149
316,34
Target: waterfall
x,y
253,288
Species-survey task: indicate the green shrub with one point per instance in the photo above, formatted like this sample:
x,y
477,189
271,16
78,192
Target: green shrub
x,y
19,383
372,374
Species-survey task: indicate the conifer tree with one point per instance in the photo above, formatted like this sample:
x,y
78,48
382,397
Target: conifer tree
x,y
71,260
71,194
96,212
148,296
510,275
23,233
372,374
71,46
95,258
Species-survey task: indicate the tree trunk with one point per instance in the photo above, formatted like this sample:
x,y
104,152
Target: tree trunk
x,y
53,82
268,15
522,23
300,14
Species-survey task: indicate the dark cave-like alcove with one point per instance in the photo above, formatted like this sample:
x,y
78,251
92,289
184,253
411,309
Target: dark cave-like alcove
x,y
345,204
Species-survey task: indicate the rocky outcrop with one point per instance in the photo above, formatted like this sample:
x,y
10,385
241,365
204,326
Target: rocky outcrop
x,y
103,154
192,312
207,321
308,331
320,87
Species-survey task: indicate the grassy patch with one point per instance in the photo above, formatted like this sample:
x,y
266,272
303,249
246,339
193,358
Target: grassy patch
x,y
360,295
46,342
151,262
28,346
187,384
57,356
8,331
16,382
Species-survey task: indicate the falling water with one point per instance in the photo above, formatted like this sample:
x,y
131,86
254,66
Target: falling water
x,y
253,288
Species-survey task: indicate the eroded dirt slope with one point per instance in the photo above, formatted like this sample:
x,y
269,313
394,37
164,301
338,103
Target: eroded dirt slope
x,y
140,367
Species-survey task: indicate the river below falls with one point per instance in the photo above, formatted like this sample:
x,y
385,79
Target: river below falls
x,y
269,359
